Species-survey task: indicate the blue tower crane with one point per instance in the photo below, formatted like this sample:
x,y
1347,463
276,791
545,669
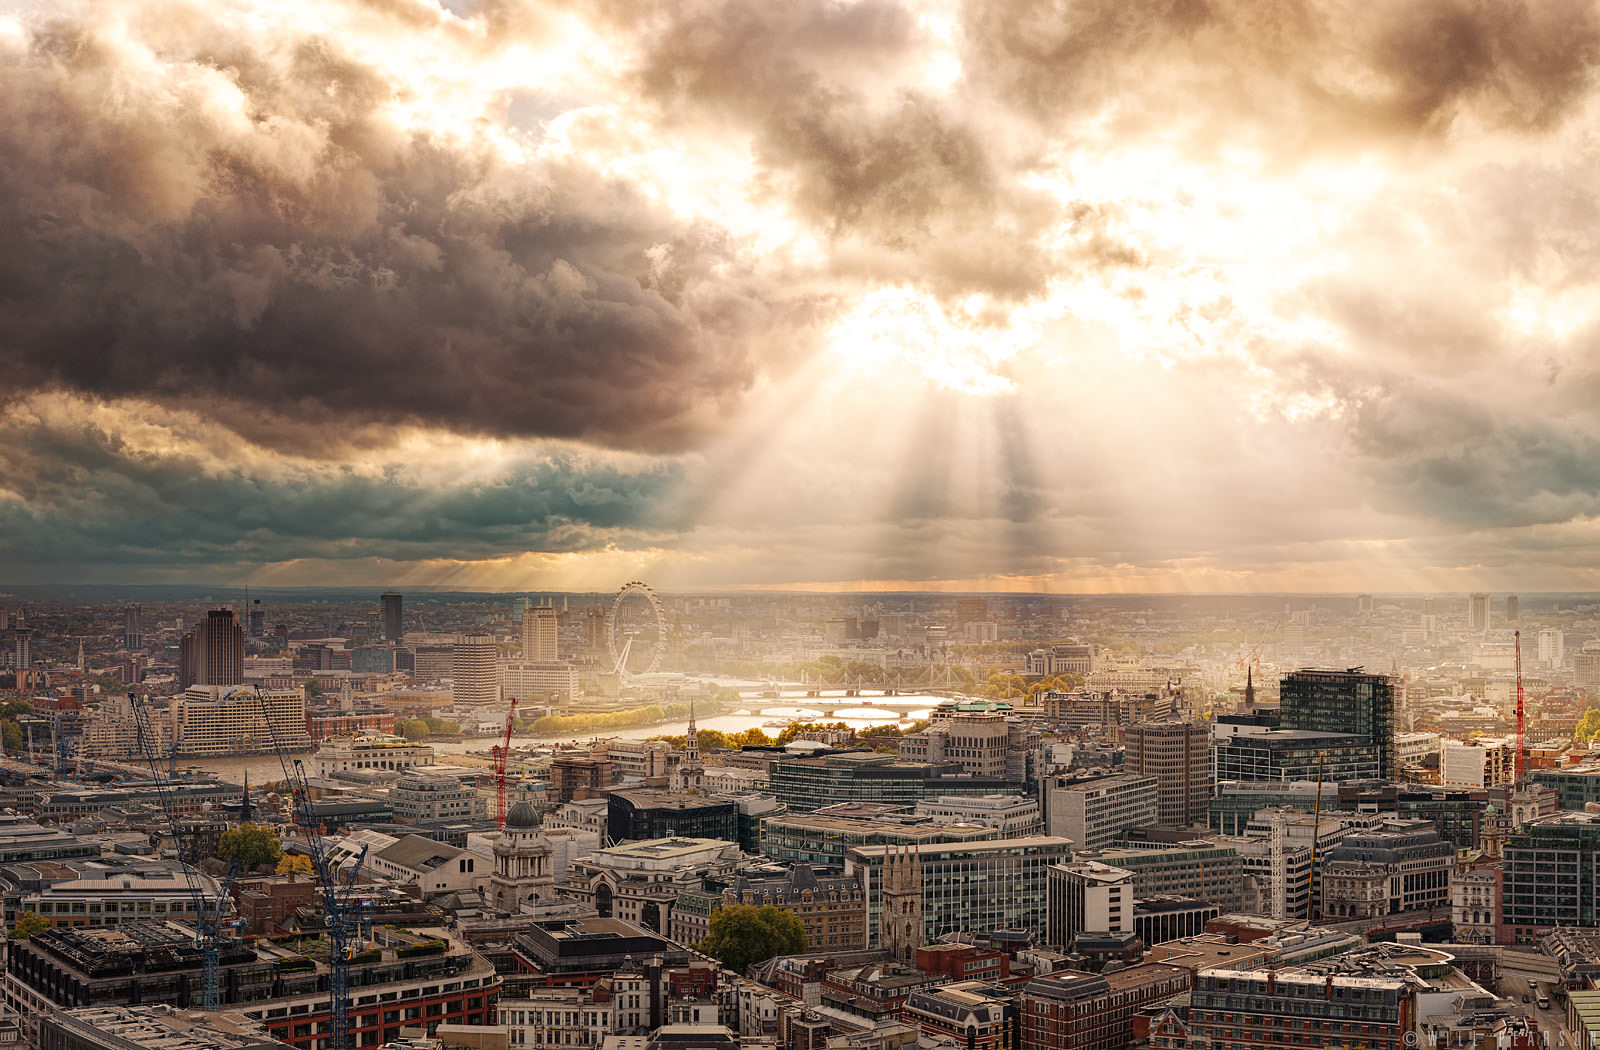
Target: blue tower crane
x,y
211,924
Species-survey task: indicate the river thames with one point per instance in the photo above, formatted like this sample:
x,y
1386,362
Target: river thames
x,y
863,713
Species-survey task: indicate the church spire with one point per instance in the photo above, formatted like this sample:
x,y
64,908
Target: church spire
x,y
1249,686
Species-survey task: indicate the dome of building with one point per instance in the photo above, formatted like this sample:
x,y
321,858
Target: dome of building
x,y
522,815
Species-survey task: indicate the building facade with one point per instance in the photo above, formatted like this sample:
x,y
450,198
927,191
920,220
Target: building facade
x,y
1343,702
1096,811
1073,1010
1178,755
475,670
974,886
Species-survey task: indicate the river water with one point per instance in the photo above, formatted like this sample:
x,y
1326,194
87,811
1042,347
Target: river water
x,y
863,713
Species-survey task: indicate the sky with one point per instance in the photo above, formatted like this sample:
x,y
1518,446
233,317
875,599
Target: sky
x,y
995,295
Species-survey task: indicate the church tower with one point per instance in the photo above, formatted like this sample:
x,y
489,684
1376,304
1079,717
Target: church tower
x,y
691,775
900,920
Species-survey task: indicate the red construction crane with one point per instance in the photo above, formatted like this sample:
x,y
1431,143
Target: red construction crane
x,y
1518,637
501,752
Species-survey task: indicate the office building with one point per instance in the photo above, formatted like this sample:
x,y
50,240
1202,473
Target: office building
x,y
475,670
989,745
1286,755
133,626
1549,877
1297,1008
641,815
823,837
211,720
1477,613
1073,1010
419,796
1095,811
970,610
539,634
1401,866
159,962
1552,647
213,653
1087,895
22,648
354,757
965,886
831,907
527,680
805,784
1237,801
1586,668
156,1027
1483,763
1199,868
594,629
1343,702
1513,609
392,610
1178,755
1014,816
1103,709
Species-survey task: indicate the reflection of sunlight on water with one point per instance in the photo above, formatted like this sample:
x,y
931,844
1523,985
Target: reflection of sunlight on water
x,y
264,768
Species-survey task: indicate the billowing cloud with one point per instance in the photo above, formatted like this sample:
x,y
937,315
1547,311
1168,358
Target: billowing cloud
x,y
1150,294
250,225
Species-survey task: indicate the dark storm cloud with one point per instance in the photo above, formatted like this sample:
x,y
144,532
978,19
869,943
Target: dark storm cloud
x,y
81,496
1305,67
289,262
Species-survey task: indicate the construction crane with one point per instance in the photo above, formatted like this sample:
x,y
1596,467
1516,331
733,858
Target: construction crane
x,y
1517,776
501,752
211,926
342,914
1252,656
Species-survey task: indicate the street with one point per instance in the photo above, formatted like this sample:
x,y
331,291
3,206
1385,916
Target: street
x,y
1552,1021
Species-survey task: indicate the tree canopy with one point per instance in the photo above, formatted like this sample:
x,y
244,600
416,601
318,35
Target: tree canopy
x,y
27,925
252,845
742,935
1588,726
294,864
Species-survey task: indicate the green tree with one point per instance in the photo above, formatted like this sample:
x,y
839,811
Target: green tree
x,y
252,845
742,935
412,729
1588,726
313,687
27,925
11,735
15,709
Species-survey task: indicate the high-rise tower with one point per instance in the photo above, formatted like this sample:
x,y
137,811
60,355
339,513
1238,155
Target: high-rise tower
x,y
475,669
1477,613
133,626
539,635
394,621
213,653
1178,755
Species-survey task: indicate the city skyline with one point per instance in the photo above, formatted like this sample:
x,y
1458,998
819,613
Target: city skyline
x,y
976,296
